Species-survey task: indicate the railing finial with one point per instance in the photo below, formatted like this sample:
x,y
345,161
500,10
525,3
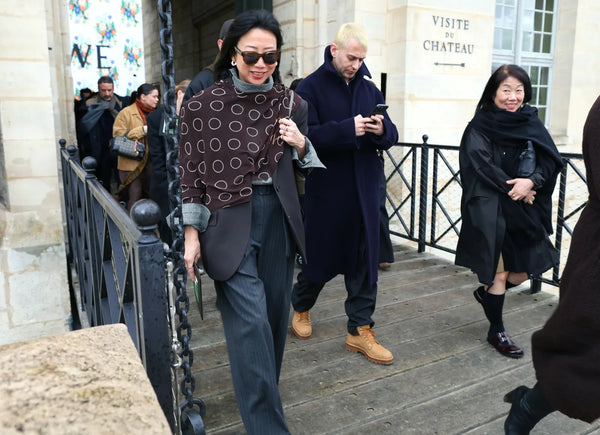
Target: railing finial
x,y
72,150
89,164
146,215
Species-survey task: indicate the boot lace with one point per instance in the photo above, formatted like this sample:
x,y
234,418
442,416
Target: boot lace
x,y
369,335
304,316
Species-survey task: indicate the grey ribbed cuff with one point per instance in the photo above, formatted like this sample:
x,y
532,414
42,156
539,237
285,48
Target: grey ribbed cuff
x,y
196,215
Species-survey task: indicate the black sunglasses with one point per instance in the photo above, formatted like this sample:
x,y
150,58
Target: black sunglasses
x,y
251,57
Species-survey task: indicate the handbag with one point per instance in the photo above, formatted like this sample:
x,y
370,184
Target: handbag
x,y
132,149
526,161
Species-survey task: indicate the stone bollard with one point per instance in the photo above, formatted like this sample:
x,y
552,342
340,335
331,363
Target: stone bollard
x,y
86,381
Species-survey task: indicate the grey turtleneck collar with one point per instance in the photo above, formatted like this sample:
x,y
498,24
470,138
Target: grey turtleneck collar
x,y
249,87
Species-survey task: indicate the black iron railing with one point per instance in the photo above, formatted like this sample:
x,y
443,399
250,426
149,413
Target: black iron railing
x,y
429,193
120,267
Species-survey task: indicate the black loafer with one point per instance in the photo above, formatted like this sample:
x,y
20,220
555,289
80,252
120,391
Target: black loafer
x,y
503,344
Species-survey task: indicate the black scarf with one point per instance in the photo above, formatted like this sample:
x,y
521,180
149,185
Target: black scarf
x,y
514,129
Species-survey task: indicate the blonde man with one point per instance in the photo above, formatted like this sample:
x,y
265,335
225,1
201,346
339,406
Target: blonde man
x,y
342,202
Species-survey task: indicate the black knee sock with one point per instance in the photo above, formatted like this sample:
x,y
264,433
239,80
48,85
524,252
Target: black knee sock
x,y
492,306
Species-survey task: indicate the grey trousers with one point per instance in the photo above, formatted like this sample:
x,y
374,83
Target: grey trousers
x,y
254,305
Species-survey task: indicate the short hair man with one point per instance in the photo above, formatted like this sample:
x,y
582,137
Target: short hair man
x,y
206,77
341,203
96,128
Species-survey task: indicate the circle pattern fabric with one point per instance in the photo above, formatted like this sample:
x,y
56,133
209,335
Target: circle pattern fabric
x,y
229,138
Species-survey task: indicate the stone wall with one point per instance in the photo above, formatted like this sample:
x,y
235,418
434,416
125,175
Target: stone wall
x,y
576,82
34,299
422,93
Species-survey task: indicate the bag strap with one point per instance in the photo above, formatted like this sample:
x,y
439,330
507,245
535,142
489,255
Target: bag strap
x,y
291,103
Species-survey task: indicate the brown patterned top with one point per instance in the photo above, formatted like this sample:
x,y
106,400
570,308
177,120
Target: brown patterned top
x,y
229,138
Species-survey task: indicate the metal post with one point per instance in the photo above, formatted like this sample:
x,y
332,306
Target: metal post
x,y
423,194
90,276
155,347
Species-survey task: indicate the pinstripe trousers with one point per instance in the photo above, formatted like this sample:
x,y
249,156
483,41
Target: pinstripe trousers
x,y
254,305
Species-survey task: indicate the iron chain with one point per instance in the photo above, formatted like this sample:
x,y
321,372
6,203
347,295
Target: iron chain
x,y
191,409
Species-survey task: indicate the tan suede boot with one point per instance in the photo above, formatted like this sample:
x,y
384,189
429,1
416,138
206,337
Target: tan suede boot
x,y
366,344
301,324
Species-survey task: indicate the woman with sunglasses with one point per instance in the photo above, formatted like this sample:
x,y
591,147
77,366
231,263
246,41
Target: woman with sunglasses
x,y
240,141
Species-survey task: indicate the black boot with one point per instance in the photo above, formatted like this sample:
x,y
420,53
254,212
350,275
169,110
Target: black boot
x,y
528,407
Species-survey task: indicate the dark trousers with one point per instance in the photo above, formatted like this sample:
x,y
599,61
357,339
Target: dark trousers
x,y
254,305
138,188
360,302
106,164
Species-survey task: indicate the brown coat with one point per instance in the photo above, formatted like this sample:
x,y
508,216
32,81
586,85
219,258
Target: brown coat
x,y
566,351
129,121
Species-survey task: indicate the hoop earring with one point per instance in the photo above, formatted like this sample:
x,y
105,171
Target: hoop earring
x,y
233,63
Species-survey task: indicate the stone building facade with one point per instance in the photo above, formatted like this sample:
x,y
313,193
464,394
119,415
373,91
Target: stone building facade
x,y
434,57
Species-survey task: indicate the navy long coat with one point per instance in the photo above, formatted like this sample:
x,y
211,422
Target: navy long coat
x,y
345,196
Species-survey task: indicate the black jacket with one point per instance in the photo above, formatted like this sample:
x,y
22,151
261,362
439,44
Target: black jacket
x,y
159,184
202,80
492,223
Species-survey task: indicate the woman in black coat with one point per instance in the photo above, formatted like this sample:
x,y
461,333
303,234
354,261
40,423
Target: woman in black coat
x,y
566,350
508,168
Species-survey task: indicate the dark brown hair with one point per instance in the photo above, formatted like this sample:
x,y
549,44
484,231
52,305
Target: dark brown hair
x,y
486,102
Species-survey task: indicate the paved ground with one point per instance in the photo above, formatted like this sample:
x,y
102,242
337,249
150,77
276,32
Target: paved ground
x,y
445,378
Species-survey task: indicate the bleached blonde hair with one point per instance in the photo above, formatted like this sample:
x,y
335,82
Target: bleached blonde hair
x,y
350,31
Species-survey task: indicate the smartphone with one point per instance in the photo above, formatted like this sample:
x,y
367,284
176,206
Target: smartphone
x,y
198,289
379,109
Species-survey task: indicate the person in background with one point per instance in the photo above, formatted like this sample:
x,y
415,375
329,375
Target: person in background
x,y
506,208
80,109
241,140
159,182
84,94
295,83
341,204
566,350
131,123
206,77
95,132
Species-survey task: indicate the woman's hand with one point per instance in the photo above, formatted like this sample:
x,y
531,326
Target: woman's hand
x,y
192,249
522,187
288,130
530,197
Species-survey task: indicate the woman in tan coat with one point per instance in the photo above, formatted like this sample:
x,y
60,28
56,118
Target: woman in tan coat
x,y
131,123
